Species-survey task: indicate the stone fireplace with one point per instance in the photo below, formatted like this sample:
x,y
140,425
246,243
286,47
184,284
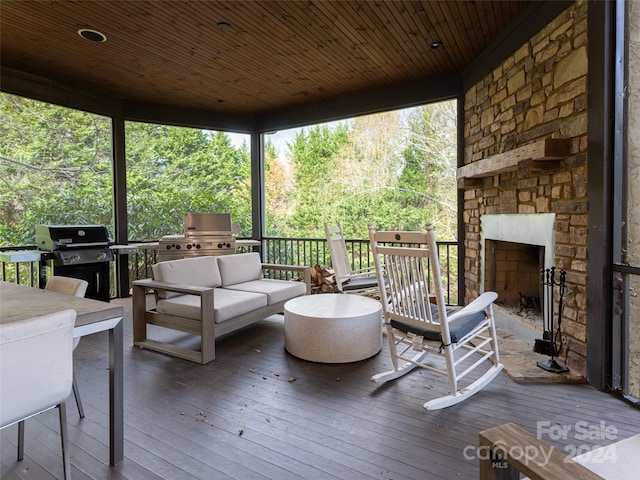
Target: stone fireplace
x,y
536,230
513,250
524,173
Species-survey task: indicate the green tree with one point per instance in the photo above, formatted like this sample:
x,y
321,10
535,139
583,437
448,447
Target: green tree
x,y
365,175
174,170
396,169
427,189
278,191
55,168
313,161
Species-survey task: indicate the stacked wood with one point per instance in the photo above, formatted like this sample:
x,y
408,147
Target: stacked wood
x,y
323,279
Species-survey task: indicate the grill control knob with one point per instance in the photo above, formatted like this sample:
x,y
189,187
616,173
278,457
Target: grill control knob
x,y
178,247
101,257
219,245
74,258
228,245
197,245
189,247
168,247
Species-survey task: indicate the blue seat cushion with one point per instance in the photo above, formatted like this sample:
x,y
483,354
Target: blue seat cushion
x,y
457,328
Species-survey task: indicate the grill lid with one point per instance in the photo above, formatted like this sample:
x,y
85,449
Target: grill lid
x,y
58,237
214,224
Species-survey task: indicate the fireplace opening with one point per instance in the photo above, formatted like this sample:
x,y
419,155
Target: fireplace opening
x,y
512,270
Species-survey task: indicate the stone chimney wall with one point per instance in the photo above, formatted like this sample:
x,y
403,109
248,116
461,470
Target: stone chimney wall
x,y
633,199
538,92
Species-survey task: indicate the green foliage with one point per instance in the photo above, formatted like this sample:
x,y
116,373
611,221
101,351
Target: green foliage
x,y
172,171
395,169
313,158
56,168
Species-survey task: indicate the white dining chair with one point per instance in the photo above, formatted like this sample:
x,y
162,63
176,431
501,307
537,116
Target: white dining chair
x,y
78,288
36,372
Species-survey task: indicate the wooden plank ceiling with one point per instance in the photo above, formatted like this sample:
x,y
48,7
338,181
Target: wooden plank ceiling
x,y
275,55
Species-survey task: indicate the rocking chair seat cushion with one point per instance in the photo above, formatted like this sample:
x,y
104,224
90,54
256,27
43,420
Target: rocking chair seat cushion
x,y
360,283
458,328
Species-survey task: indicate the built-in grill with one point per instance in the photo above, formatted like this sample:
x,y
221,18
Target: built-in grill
x,y
204,234
78,251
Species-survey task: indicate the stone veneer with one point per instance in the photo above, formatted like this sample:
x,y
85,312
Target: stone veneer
x,y
538,92
633,199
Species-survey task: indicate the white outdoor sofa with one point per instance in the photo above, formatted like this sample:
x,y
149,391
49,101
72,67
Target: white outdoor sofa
x,y
210,297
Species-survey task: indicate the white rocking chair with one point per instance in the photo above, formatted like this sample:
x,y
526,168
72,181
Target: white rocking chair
x,y
465,337
347,280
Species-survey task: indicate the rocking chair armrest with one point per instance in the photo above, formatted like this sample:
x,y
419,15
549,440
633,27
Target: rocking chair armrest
x,y
478,305
171,287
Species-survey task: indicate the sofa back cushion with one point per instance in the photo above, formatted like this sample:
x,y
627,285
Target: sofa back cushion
x,y
239,268
197,271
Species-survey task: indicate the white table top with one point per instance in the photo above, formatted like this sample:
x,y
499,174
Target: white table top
x,y
332,305
615,461
19,302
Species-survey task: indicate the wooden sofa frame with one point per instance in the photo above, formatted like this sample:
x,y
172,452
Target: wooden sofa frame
x,y
205,327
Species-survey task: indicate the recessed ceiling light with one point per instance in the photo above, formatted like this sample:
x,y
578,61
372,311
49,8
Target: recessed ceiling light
x,y
92,35
224,26
436,45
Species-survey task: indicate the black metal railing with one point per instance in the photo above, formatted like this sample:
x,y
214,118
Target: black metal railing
x,y
279,250
23,273
140,262
315,251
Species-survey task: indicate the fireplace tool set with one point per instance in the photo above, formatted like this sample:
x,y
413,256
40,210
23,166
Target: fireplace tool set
x,y
551,342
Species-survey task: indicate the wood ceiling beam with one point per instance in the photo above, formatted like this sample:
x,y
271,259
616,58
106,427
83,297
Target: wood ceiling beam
x,y
394,98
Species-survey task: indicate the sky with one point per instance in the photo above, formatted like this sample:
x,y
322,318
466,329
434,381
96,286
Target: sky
x,y
279,139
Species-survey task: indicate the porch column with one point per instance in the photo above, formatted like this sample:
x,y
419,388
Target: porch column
x,y
121,234
257,186
601,54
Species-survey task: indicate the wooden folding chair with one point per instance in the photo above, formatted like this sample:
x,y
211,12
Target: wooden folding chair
x,y
416,328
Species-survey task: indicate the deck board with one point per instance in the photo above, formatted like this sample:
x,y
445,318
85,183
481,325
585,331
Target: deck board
x,y
240,417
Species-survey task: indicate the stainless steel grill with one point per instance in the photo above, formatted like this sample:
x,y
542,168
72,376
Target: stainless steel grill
x,y
205,234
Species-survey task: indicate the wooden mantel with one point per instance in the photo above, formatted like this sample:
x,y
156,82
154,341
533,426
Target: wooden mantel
x,y
537,157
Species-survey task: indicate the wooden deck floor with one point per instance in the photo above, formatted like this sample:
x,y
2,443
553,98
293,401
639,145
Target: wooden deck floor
x,y
256,412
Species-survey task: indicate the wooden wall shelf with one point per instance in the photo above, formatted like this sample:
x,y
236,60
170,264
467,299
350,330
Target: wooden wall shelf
x,y
539,157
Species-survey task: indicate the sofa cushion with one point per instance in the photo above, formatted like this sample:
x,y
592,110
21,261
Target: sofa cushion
x,y
239,268
227,304
275,290
197,271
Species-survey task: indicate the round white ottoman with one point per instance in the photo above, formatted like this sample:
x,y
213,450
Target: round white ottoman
x,y
333,328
